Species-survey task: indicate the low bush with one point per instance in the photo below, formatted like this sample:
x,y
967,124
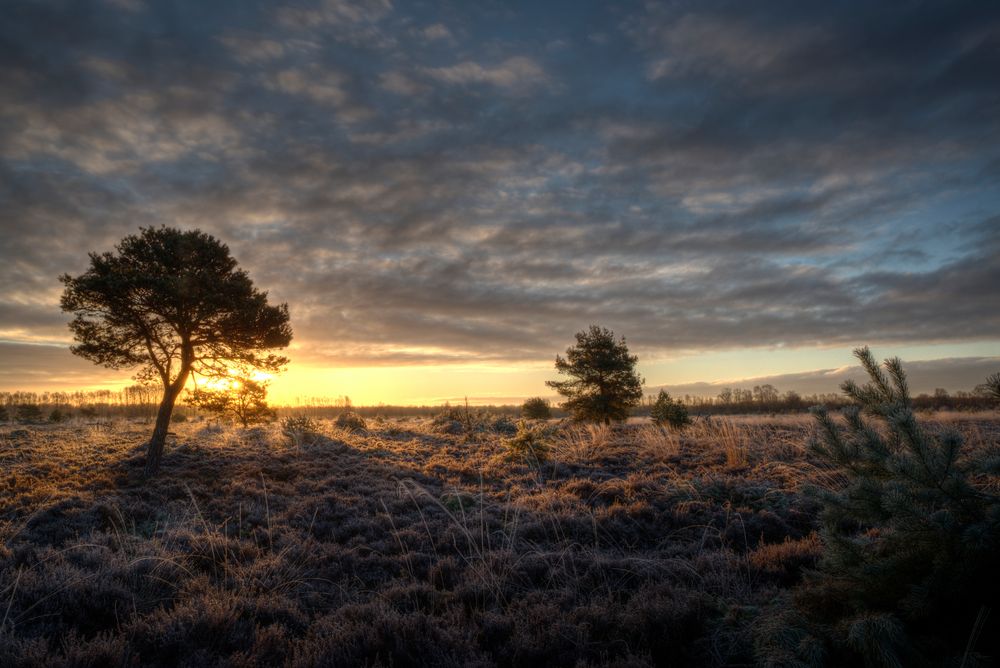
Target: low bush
x,y
299,429
536,408
531,444
28,414
351,421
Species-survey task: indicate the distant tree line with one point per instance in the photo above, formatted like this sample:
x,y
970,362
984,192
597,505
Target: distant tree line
x,y
135,401
140,401
769,399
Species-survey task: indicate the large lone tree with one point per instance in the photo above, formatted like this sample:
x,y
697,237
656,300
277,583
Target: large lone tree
x,y
603,383
172,303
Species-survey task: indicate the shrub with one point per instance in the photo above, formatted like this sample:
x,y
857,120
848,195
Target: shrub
x,y
909,569
4,414
668,411
531,444
28,414
536,408
58,416
299,429
351,421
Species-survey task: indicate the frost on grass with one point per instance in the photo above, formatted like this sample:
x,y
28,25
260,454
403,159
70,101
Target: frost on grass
x,y
303,543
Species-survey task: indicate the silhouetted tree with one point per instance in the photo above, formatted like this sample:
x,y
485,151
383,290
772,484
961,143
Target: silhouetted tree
x,y
992,386
604,384
172,303
668,411
792,399
536,408
244,400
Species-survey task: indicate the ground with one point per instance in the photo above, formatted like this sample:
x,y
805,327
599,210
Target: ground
x,y
410,542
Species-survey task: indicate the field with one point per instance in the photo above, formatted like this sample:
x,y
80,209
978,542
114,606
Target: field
x,y
409,542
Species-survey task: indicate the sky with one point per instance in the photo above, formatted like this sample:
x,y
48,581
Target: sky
x,y
444,193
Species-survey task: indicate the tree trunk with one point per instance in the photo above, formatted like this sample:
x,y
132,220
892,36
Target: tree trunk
x,y
170,393
154,452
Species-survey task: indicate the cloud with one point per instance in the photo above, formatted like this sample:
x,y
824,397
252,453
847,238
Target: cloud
x,y
438,31
703,178
252,49
401,84
516,73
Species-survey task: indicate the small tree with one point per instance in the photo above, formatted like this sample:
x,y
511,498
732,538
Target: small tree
x,y
908,575
668,411
173,304
531,444
536,408
244,400
604,384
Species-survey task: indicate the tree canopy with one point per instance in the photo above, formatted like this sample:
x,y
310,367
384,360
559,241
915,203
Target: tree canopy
x,y
172,303
603,384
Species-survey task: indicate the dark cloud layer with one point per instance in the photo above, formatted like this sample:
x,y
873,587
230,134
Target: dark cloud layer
x,y
428,182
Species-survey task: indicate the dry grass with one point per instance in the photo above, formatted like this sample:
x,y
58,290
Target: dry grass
x,y
582,443
657,443
403,545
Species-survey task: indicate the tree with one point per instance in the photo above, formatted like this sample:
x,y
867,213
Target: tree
x,y
910,538
668,411
765,394
242,399
604,384
792,399
992,386
173,304
536,408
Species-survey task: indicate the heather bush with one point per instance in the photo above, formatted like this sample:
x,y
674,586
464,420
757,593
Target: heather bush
x,y
351,421
421,549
